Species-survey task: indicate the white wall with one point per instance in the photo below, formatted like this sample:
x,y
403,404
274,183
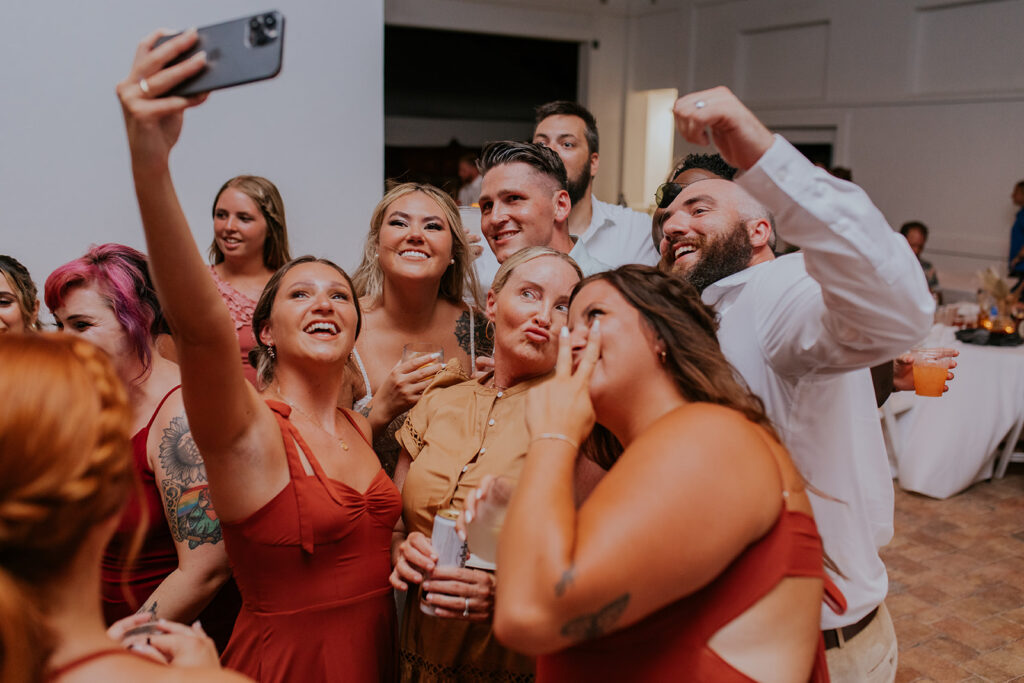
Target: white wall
x,y
926,98
316,130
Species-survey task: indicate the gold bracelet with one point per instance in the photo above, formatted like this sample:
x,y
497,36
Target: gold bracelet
x,y
559,437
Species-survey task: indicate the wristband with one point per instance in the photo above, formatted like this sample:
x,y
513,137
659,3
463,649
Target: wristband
x,y
559,437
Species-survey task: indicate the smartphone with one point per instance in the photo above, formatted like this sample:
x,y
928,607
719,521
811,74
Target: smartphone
x,y
238,51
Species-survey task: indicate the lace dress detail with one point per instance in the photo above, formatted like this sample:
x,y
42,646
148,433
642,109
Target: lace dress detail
x,y
241,308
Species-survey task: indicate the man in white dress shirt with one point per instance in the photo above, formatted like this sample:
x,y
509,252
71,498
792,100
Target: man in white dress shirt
x,y
524,203
613,234
802,330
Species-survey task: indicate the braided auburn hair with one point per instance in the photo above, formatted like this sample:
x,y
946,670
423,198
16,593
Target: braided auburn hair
x,y
65,466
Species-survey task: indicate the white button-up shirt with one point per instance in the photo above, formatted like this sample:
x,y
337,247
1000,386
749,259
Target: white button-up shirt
x,y
802,331
618,235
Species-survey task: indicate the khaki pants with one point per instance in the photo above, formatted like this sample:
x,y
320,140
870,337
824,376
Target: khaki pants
x,y
870,657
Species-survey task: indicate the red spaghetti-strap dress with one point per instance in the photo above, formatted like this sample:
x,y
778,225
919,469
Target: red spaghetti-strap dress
x,y
312,566
672,643
157,557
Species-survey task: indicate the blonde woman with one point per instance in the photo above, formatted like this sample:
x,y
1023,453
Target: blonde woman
x,y
416,285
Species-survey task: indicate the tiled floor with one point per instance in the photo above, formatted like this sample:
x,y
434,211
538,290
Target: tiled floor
x,y
956,575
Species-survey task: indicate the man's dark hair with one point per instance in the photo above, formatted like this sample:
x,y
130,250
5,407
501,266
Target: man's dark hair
x,y
567,108
538,157
841,172
914,225
1019,185
712,163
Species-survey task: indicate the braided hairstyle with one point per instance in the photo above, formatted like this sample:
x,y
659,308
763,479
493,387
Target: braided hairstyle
x,y
65,466
673,309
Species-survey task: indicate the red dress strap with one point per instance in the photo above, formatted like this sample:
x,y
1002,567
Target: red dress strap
x,y
160,405
85,659
355,425
297,472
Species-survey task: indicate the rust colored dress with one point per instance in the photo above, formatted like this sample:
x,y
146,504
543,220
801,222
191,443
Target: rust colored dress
x,y
312,566
672,643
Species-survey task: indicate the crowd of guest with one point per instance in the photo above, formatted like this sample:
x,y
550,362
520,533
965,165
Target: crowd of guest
x,y
260,446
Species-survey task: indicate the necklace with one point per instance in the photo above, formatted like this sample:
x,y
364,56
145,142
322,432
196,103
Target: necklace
x,y
341,441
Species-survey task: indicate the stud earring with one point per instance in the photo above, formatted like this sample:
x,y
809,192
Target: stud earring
x,y
451,261
663,356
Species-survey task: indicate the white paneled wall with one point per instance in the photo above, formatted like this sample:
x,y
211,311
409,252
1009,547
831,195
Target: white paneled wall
x,y
925,99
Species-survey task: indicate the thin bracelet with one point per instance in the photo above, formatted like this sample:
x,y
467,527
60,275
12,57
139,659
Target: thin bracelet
x,y
553,435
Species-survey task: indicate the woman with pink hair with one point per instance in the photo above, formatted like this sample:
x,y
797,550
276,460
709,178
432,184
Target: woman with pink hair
x,y
107,298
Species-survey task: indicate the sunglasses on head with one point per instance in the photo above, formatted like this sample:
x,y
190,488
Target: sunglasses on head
x,y
666,194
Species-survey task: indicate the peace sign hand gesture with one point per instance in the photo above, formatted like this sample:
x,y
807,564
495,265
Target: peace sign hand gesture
x,y
561,406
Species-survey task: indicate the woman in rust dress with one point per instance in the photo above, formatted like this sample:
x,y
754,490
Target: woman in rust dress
x,y
696,558
306,509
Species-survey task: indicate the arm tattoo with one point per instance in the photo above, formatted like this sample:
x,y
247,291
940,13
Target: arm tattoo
x,y
597,624
462,331
150,609
190,514
483,339
563,583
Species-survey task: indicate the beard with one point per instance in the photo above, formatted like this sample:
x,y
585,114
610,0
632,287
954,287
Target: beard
x,y
577,186
720,257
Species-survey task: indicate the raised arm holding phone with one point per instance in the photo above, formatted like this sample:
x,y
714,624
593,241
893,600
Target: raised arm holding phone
x,y
305,508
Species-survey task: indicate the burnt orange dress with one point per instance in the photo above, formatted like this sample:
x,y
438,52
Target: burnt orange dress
x,y
672,643
312,566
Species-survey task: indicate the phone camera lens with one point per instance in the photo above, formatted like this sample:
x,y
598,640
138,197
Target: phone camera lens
x,y
254,24
269,20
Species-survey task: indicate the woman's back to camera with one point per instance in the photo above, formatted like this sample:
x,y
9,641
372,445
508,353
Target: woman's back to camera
x,y
65,473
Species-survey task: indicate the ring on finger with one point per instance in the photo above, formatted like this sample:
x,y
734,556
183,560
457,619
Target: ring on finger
x,y
700,104
465,612
144,86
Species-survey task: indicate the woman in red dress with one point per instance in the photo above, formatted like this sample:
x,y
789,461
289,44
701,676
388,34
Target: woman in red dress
x,y
107,298
306,509
696,557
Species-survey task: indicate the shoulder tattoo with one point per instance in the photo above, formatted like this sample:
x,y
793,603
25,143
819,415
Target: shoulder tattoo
x,y
597,624
190,514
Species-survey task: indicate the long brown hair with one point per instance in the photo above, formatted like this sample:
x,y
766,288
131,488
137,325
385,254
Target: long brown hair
x,y
693,358
260,356
65,466
266,196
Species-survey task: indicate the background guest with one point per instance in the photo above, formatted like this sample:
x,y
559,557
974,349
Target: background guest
x,y
1017,235
916,234
601,592
470,178
415,285
107,298
66,472
19,305
250,242
459,432
612,234
308,535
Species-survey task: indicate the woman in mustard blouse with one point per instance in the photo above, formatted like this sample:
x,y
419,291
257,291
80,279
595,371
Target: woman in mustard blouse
x,y
460,431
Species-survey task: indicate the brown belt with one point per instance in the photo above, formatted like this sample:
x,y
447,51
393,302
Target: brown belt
x,y
834,637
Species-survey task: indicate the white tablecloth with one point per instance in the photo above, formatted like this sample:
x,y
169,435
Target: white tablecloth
x,y
946,444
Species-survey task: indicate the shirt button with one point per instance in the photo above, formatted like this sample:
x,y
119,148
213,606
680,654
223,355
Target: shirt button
x,y
490,423
465,468
500,394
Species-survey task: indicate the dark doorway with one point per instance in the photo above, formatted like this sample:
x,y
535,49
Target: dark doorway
x,y
444,78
